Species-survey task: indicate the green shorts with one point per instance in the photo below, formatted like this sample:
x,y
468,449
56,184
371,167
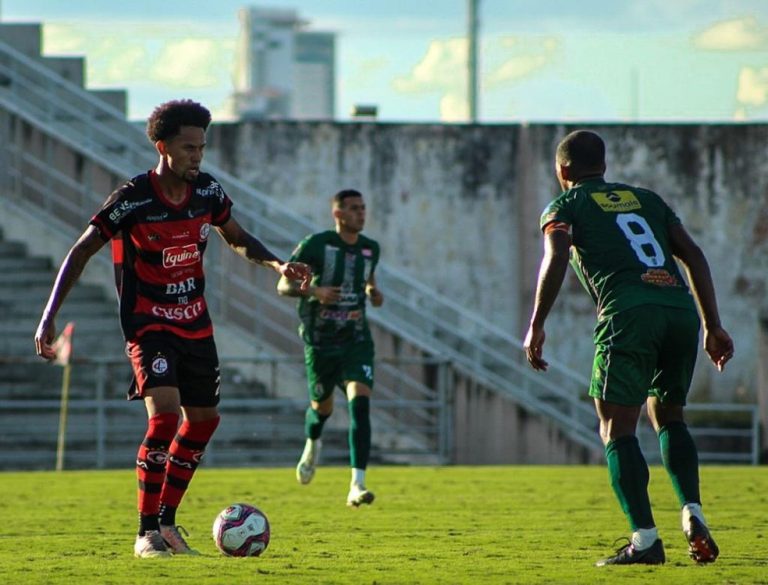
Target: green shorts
x,y
645,351
331,368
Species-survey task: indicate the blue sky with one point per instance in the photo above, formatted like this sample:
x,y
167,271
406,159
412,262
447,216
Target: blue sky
x,y
541,60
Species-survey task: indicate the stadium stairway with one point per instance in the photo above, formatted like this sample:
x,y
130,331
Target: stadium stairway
x,y
456,389
30,389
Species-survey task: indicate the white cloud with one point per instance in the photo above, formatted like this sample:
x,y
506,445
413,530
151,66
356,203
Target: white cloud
x,y
454,108
443,67
738,34
753,86
188,63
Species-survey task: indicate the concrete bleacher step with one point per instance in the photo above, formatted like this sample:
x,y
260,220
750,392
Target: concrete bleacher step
x,y
10,291
9,264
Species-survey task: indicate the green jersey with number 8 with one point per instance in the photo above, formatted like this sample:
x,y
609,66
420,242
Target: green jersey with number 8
x,y
620,249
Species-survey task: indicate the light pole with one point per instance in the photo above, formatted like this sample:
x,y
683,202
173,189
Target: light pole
x,y
472,37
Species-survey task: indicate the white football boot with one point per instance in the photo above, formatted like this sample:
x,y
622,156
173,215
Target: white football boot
x,y
305,470
358,495
175,542
150,545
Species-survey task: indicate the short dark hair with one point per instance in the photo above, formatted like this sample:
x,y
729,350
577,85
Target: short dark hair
x,y
168,118
340,197
583,151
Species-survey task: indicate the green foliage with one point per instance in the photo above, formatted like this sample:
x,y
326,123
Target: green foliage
x,y
526,524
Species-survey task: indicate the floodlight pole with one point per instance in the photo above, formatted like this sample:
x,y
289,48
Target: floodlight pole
x,y
472,37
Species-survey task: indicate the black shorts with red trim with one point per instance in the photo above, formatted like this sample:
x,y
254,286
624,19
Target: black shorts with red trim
x,y
164,359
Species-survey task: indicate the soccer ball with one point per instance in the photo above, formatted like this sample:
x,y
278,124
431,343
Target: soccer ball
x,y
241,530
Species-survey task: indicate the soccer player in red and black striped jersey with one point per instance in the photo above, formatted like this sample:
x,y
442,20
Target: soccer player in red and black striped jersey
x,y
159,223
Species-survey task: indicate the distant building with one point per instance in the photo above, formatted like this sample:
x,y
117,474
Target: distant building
x,y
283,71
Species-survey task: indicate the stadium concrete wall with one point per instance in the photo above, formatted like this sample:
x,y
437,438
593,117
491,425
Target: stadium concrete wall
x,y
458,206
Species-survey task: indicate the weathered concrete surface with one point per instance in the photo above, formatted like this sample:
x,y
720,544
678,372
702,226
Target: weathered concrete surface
x,y
458,206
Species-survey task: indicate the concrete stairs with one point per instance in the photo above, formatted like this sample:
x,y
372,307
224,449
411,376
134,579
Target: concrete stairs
x,y
268,431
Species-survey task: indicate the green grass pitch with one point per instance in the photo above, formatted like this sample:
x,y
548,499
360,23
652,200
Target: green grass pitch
x,y
505,524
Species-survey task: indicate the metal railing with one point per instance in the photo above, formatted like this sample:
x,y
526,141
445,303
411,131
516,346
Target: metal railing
x,y
244,297
413,311
263,422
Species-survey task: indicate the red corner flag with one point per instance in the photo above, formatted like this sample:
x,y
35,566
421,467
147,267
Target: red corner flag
x,y
63,345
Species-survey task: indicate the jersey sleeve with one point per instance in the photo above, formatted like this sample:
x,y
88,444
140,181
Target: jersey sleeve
x,y
115,215
670,217
303,252
556,213
221,209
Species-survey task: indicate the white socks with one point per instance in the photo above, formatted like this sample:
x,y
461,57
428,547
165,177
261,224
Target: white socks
x,y
358,477
692,510
311,452
643,538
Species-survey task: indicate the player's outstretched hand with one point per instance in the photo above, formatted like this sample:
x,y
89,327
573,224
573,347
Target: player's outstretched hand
x,y
534,341
298,272
719,346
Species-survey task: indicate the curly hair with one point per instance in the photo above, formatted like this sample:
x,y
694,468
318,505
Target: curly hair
x,y
168,118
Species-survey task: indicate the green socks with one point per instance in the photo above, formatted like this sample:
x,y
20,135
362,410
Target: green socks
x,y
359,431
313,423
629,479
681,460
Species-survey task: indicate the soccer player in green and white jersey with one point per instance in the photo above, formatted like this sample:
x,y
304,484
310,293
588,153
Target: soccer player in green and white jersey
x,y
623,242
338,347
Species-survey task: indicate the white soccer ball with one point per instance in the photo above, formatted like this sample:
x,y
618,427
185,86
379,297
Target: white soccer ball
x,y
241,530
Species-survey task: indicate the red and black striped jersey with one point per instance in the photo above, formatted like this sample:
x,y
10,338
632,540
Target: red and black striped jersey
x,y
157,248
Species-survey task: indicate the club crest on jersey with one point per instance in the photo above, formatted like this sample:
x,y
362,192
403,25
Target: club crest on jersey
x,y
205,229
159,365
177,256
616,201
367,252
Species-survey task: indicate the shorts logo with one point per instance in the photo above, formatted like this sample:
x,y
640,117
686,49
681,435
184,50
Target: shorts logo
x,y
159,365
617,201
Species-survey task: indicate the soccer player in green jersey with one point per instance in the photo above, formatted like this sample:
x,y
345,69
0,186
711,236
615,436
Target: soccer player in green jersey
x,y
338,348
623,242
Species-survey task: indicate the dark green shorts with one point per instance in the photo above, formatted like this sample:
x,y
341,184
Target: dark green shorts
x,y
331,368
645,351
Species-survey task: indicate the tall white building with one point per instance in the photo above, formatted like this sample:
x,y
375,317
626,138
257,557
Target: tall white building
x,y
283,71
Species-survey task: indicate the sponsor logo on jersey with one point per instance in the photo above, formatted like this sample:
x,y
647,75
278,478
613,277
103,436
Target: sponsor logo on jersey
x,y
205,229
617,201
177,256
335,315
180,313
123,208
159,365
160,217
180,288
659,277
212,190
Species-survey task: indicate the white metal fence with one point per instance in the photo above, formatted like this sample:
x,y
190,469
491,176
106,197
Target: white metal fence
x,y
262,422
